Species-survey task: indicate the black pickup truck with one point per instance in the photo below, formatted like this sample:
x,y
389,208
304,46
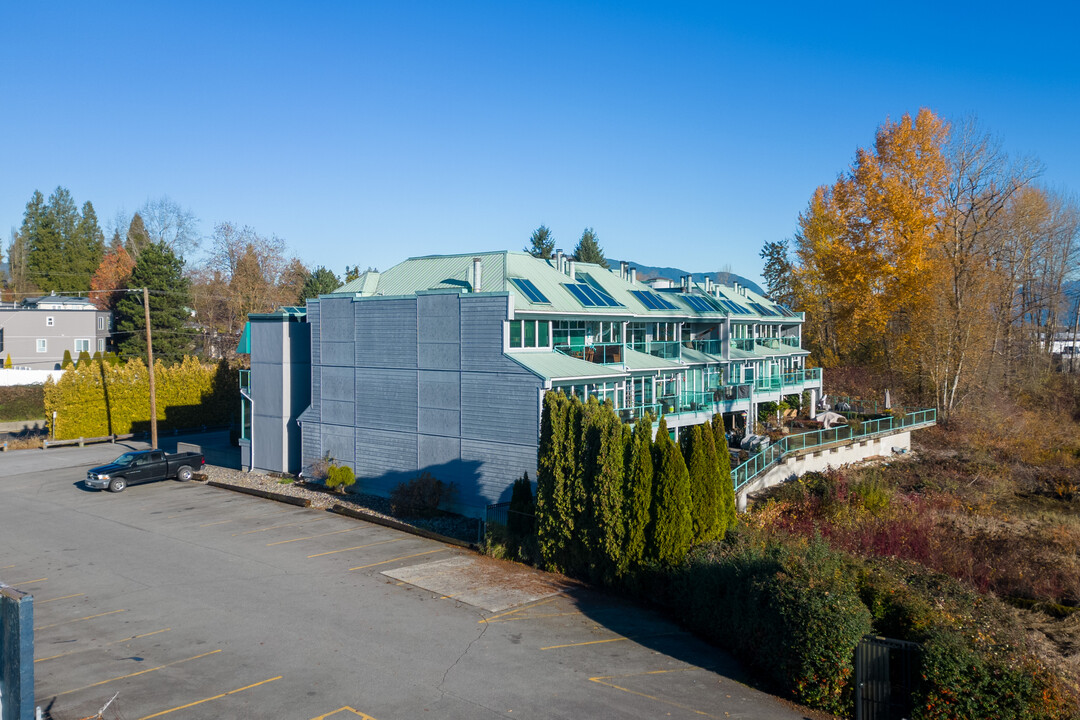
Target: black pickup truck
x,y
133,468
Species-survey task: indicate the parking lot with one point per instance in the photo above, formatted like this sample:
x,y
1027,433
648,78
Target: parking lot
x,y
190,601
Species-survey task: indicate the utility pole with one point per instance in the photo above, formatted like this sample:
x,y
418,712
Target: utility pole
x,y
150,366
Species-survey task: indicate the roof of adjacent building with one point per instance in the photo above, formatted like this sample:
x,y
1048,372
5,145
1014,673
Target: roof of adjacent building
x,y
547,290
66,302
554,365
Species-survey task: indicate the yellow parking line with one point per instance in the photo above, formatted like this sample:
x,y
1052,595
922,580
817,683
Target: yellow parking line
x,y
355,547
108,644
42,602
272,527
511,612
219,522
309,537
136,674
590,642
256,517
88,617
7,567
603,681
403,557
27,582
200,702
362,716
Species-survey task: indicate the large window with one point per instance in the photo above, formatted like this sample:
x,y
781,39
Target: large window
x,y
666,332
569,333
530,333
82,346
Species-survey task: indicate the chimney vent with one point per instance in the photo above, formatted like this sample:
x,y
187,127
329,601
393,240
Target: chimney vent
x,y
571,271
622,270
559,260
476,275
633,276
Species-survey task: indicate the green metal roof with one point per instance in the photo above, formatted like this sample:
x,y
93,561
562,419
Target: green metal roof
x,y
454,273
635,361
556,366
691,356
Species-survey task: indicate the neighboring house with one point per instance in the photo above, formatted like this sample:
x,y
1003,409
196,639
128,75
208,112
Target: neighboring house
x,y
36,332
439,365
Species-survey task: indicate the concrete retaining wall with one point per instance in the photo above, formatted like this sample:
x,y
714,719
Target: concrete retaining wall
x,y
16,654
822,459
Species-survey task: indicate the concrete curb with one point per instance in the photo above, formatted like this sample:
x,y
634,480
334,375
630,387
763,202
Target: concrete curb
x,y
299,502
394,524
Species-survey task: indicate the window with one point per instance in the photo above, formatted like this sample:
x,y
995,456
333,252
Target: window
x,y
1,339
101,345
529,333
569,333
82,346
101,322
49,321
666,332
42,345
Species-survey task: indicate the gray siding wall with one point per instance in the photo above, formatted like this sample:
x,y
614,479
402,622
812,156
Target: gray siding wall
x,y
430,390
280,385
23,327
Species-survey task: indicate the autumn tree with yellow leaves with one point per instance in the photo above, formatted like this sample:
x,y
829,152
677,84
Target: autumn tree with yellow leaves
x,y
935,258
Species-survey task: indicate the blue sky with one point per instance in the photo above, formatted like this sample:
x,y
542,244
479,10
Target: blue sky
x,y
686,134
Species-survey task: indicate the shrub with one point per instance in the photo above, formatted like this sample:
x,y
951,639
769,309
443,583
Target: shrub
x,y
520,521
790,608
420,497
22,402
340,477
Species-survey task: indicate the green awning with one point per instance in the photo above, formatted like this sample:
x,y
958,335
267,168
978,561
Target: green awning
x,y
244,346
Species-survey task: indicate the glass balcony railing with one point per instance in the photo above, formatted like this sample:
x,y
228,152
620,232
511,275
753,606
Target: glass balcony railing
x,y
790,341
744,344
664,349
761,462
602,353
767,343
712,347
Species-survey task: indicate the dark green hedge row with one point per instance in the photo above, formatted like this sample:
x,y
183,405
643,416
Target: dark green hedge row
x,y
794,610
22,402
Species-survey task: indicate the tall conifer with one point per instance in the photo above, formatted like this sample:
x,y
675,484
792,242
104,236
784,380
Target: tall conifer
x,y
162,272
704,493
605,504
638,492
672,527
727,487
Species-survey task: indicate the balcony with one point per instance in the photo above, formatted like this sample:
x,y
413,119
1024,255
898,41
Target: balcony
x,y
601,353
794,380
710,347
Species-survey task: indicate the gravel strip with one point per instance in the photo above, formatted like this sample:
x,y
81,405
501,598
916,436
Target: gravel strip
x,y
455,526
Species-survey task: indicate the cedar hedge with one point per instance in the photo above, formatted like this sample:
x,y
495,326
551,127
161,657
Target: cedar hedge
x,y
99,398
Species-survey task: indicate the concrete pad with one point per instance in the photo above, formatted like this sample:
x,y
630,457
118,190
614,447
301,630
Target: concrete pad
x,y
481,582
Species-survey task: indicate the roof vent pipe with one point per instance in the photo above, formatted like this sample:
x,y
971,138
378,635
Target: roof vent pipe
x,y
571,270
476,275
633,276
622,270
559,260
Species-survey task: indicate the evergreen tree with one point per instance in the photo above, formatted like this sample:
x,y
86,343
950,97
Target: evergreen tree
x,y
588,249
66,362
85,248
672,531
604,525
44,247
727,504
704,493
159,270
137,237
319,282
555,525
541,244
638,492
777,272
520,520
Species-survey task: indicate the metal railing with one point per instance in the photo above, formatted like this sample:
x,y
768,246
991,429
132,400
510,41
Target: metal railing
x,y
845,434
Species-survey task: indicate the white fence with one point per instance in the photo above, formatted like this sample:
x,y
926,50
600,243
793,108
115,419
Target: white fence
x,y
26,376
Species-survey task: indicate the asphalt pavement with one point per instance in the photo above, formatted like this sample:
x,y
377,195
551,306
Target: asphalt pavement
x,y
189,601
